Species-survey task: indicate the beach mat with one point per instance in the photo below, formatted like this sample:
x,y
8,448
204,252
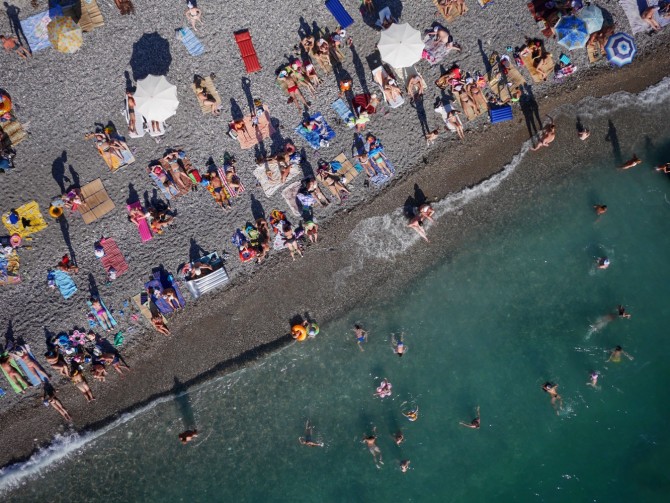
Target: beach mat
x,y
449,17
547,67
9,267
113,162
95,313
348,171
498,83
247,51
113,258
14,130
208,85
147,307
143,229
226,186
340,14
17,387
254,135
90,16
317,138
30,220
64,283
95,201
344,113
190,41
594,52
271,186
289,194
170,169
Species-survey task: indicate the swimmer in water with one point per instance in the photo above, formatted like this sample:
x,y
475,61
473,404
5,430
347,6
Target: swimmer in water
x,y
475,423
370,442
603,262
307,439
187,436
361,336
398,438
631,163
398,345
553,393
593,376
622,312
664,167
615,355
412,414
600,209
404,465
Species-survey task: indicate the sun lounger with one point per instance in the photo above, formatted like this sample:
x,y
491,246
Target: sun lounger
x,y
30,220
90,16
143,228
139,122
269,177
95,201
317,138
9,267
380,76
339,13
208,85
95,313
547,66
156,134
63,282
344,113
452,15
212,279
289,194
14,131
113,258
247,51
17,386
190,41
159,283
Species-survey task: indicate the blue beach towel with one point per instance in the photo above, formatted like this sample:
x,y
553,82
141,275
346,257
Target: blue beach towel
x,y
380,178
321,136
159,283
64,283
35,28
30,375
339,13
95,313
168,191
190,41
342,110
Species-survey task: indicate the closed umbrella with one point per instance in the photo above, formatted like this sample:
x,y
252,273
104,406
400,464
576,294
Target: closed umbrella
x,y
400,45
571,32
64,34
620,49
593,17
155,98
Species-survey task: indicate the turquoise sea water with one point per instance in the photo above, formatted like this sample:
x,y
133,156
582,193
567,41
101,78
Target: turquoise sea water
x,y
513,308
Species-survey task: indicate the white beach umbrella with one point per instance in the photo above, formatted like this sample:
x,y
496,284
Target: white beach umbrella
x,y
400,45
155,98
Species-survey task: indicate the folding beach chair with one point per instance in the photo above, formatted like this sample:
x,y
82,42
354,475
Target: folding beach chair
x,y
247,50
339,13
190,41
95,201
143,228
344,113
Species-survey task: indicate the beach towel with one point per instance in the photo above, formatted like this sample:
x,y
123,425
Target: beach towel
x,y
500,114
379,75
595,52
113,258
95,201
343,167
158,283
169,190
435,51
498,82
252,134
95,313
13,130
269,177
208,85
381,178
226,186
289,194
113,161
547,66
339,13
147,306
319,137
35,28
35,377
63,282
484,3
139,122
17,387
452,15
247,51
170,170
143,228
190,41
90,16
344,113
9,267
30,220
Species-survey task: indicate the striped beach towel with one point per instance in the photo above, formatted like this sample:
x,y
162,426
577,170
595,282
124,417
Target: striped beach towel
x,y
343,111
231,192
113,258
190,41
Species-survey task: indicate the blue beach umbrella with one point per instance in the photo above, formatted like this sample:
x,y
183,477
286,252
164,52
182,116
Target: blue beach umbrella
x,y
592,15
572,32
620,49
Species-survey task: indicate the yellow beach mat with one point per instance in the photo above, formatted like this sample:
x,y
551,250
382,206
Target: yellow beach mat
x,y
114,162
547,67
145,309
95,201
452,15
90,16
208,85
30,220
14,131
594,52
347,173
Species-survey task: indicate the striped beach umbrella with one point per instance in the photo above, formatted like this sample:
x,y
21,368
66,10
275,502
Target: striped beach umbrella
x,y
64,34
571,32
592,15
620,49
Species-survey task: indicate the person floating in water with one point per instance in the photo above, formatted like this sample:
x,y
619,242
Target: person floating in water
x,y
398,345
556,400
412,414
664,167
187,436
631,163
600,209
622,312
404,465
603,262
398,438
361,336
370,442
475,423
615,355
307,439
593,379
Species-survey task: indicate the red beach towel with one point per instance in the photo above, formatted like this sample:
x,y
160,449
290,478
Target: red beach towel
x,y
113,259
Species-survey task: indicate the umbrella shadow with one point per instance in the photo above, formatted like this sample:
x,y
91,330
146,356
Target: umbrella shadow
x,y
150,56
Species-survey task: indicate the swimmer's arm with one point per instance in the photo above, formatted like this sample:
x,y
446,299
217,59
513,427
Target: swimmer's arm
x,y
629,356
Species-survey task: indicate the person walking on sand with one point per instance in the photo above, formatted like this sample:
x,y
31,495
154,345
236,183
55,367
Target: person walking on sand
x,y
615,355
475,423
188,435
370,442
194,15
307,439
361,336
631,163
556,400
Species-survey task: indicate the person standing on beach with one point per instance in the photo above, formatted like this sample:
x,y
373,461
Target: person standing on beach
x,y
361,336
475,423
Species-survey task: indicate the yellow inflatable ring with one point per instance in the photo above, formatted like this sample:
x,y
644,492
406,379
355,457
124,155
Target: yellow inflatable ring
x,y
55,211
299,332
5,104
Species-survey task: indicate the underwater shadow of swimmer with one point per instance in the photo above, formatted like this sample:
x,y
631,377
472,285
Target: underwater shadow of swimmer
x,y
184,408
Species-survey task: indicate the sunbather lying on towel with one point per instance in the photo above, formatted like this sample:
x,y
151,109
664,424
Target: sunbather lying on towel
x,y
106,144
66,265
374,149
159,220
215,187
101,312
159,324
391,89
442,35
330,179
137,216
453,123
50,398
312,187
170,296
207,99
103,353
176,160
291,86
56,360
13,376
451,8
321,53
